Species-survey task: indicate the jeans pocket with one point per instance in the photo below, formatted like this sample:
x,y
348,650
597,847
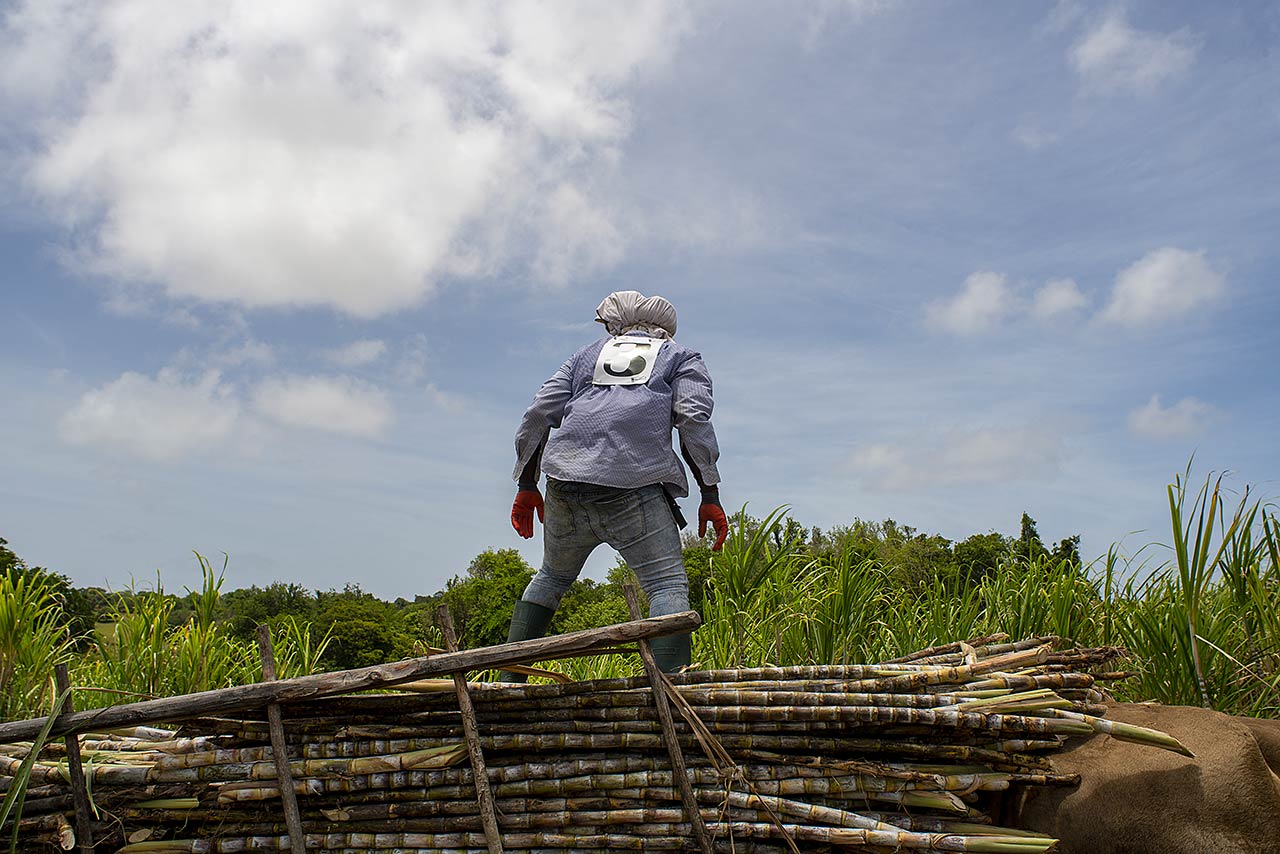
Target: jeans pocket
x,y
559,515
623,519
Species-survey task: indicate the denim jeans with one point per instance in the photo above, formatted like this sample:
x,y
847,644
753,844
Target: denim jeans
x,y
636,522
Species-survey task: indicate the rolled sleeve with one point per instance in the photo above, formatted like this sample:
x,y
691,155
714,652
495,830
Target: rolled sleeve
x,y
691,405
545,413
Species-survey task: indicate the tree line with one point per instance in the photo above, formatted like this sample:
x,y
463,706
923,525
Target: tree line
x,y
362,629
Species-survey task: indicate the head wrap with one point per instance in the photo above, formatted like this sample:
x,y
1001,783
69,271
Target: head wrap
x,y
631,311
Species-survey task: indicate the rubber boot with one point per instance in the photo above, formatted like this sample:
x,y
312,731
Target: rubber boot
x,y
672,652
529,620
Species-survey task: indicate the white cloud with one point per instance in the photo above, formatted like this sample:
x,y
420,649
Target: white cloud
x,y
1032,136
157,419
411,368
1163,284
1112,56
248,352
363,352
332,404
1187,418
1063,16
579,239
984,302
449,403
324,153
962,458
1057,298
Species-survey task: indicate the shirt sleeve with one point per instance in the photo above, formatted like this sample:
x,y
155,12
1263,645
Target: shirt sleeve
x,y
691,406
546,412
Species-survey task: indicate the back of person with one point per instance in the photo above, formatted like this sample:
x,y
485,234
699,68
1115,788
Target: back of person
x,y
620,434
600,428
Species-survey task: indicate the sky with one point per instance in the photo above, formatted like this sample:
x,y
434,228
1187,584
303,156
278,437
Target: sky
x,y
277,281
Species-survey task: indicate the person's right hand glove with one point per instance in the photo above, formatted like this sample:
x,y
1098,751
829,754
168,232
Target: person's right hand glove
x,y
527,500
712,512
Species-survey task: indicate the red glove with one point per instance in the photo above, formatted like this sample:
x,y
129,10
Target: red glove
x,y
713,513
527,500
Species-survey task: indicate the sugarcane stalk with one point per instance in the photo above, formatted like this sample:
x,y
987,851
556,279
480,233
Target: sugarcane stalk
x,y
1121,731
258,694
936,735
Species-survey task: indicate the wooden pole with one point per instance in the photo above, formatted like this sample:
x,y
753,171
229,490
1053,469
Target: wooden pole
x,y
75,770
679,771
259,694
479,772
280,749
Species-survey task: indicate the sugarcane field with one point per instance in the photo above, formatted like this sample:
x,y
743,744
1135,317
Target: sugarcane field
x,y
895,739
567,426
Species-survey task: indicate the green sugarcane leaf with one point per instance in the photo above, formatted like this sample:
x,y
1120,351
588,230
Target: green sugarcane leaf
x,y
17,795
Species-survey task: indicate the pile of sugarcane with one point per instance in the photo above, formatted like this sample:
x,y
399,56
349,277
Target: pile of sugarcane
x,y
930,753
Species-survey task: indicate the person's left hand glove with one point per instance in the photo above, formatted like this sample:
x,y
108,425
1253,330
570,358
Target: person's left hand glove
x,y
711,511
527,500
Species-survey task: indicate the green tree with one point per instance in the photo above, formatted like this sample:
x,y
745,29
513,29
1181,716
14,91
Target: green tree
x,y
1028,546
249,607
73,608
364,629
1067,551
980,556
481,602
915,558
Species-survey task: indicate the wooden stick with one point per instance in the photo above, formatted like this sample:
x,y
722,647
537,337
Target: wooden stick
x,y
257,695
479,773
679,772
75,770
279,749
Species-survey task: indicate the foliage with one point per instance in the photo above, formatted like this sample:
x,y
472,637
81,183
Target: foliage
x,y
250,607
1203,624
364,629
142,652
33,638
1203,627
481,602
73,608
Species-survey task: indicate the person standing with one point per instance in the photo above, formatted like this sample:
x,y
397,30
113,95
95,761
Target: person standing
x,y
600,428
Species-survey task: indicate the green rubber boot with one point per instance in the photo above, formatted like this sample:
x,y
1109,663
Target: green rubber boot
x,y
529,620
672,652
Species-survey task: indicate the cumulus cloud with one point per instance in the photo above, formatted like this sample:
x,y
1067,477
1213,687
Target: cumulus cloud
x,y
1182,420
325,153
448,402
579,239
411,367
980,306
1163,284
159,419
363,352
823,14
249,352
961,458
1058,298
332,404
1112,56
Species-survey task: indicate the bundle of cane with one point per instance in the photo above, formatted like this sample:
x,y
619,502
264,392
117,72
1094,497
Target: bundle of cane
x,y
919,753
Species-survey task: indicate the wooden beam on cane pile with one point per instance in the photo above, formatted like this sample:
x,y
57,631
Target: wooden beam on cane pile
x,y
259,694
479,772
75,770
280,749
679,771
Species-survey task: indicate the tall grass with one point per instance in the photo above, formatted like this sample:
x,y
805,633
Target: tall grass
x,y
1203,626
32,641
144,652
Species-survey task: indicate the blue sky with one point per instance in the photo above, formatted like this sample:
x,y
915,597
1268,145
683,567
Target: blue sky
x,y
279,281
